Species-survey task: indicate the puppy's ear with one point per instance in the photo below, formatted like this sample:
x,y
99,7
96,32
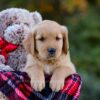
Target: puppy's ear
x,y
29,43
65,39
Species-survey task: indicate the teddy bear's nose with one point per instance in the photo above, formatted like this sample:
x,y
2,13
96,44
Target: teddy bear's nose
x,y
51,51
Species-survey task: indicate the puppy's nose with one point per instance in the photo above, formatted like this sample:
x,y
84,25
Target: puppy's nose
x,y
51,51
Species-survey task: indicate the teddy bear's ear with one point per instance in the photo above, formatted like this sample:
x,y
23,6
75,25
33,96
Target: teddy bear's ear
x,y
36,17
29,43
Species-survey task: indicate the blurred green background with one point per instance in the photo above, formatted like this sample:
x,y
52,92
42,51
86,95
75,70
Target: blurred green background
x,y
82,17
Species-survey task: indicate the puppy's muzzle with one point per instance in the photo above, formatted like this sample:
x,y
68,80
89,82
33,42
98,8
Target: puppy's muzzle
x,y
51,52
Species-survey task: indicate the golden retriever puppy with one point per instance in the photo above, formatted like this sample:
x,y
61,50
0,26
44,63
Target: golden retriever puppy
x,y
48,53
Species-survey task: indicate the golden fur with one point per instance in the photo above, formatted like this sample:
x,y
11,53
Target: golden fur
x,y
48,34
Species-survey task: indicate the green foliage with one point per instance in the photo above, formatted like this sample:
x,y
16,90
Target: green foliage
x,y
85,41
84,35
90,87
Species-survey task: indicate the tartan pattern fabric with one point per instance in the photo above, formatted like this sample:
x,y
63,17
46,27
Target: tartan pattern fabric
x,y
16,86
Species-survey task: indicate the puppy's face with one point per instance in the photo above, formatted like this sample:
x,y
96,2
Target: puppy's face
x,y
48,40
49,44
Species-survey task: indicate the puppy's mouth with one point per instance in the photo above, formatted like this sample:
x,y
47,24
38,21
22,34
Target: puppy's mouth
x,y
51,56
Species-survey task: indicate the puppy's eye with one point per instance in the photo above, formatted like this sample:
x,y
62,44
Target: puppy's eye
x,y
41,39
58,38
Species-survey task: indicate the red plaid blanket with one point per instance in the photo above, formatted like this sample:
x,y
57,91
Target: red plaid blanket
x,y
16,86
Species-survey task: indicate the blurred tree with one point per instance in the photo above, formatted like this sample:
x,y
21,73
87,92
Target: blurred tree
x,y
53,9
73,5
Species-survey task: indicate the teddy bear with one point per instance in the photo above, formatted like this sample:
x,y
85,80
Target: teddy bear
x,y
15,24
4,67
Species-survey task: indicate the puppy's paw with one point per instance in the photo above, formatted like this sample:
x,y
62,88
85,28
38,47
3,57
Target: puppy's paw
x,y
56,84
2,97
38,84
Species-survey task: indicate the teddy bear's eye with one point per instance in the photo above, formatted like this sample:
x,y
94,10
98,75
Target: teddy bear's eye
x,y
17,23
26,24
